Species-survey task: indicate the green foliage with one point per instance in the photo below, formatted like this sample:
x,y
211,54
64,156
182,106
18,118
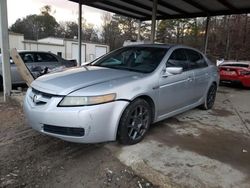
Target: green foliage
x,y
178,31
67,30
228,35
36,26
117,29
44,25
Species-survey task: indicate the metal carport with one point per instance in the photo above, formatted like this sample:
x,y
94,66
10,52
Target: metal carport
x,y
166,9
138,9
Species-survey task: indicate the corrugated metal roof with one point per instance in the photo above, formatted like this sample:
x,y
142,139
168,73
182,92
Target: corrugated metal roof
x,y
167,9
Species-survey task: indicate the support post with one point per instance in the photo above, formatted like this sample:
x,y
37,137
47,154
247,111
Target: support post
x,y
4,34
80,34
139,31
206,35
154,12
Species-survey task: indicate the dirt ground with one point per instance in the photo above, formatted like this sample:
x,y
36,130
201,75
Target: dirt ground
x,y
29,159
194,149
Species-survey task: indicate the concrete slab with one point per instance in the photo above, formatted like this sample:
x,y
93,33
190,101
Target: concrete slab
x,y
197,148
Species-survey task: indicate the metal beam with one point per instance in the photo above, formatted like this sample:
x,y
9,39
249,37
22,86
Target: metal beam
x,y
153,24
206,35
79,33
201,14
171,7
180,12
139,31
118,5
143,6
227,4
196,5
4,34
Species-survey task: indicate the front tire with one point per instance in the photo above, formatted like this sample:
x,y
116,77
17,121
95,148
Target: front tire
x,y
134,122
210,97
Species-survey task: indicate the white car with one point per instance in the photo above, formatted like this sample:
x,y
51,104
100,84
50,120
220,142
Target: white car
x,y
119,95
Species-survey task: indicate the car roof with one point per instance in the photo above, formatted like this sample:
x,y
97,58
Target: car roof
x,y
168,46
29,51
150,45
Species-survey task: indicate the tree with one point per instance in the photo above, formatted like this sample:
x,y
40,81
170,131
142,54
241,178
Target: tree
x,y
116,29
89,33
111,33
67,30
36,26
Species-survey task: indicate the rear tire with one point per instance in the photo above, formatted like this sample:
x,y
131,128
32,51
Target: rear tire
x,y
210,97
134,122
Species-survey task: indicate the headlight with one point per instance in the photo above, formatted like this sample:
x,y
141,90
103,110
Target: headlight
x,y
85,101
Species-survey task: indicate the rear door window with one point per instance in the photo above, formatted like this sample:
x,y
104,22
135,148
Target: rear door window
x,y
178,58
195,59
45,57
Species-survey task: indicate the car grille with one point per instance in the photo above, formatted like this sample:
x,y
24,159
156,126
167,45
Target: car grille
x,y
40,98
68,131
46,95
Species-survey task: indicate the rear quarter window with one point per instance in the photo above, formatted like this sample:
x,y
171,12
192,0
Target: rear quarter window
x,y
178,58
196,60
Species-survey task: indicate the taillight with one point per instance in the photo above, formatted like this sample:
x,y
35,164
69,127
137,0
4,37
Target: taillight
x,y
244,73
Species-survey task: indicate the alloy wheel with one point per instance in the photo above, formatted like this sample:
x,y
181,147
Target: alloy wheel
x,y
138,123
211,96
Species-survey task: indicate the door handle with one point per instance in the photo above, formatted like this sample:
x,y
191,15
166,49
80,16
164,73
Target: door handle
x,y
190,79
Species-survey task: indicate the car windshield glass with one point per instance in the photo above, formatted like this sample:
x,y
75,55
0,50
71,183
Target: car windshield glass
x,y
138,59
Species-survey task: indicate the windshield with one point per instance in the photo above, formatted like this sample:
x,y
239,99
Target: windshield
x,y
139,59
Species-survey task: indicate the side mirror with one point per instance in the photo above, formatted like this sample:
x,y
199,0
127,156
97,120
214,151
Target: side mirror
x,y
86,63
169,71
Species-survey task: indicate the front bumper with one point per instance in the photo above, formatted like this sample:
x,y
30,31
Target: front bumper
x,y
100,122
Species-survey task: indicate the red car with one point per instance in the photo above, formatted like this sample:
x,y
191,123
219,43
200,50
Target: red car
x,y
235,72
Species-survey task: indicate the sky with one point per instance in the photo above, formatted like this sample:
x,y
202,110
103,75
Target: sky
x,y
63,10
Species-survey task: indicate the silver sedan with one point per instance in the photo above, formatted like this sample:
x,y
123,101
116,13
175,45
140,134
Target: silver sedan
x,y
118,96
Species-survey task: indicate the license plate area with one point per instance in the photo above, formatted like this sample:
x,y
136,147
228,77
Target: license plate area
x,y
229,73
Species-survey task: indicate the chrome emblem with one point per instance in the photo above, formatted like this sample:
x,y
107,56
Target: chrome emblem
x,y
36,98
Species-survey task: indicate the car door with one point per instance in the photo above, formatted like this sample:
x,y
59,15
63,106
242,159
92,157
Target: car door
x,y
15,76
175,90
198,64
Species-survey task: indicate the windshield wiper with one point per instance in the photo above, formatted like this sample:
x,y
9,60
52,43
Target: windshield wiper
x,y
122,68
